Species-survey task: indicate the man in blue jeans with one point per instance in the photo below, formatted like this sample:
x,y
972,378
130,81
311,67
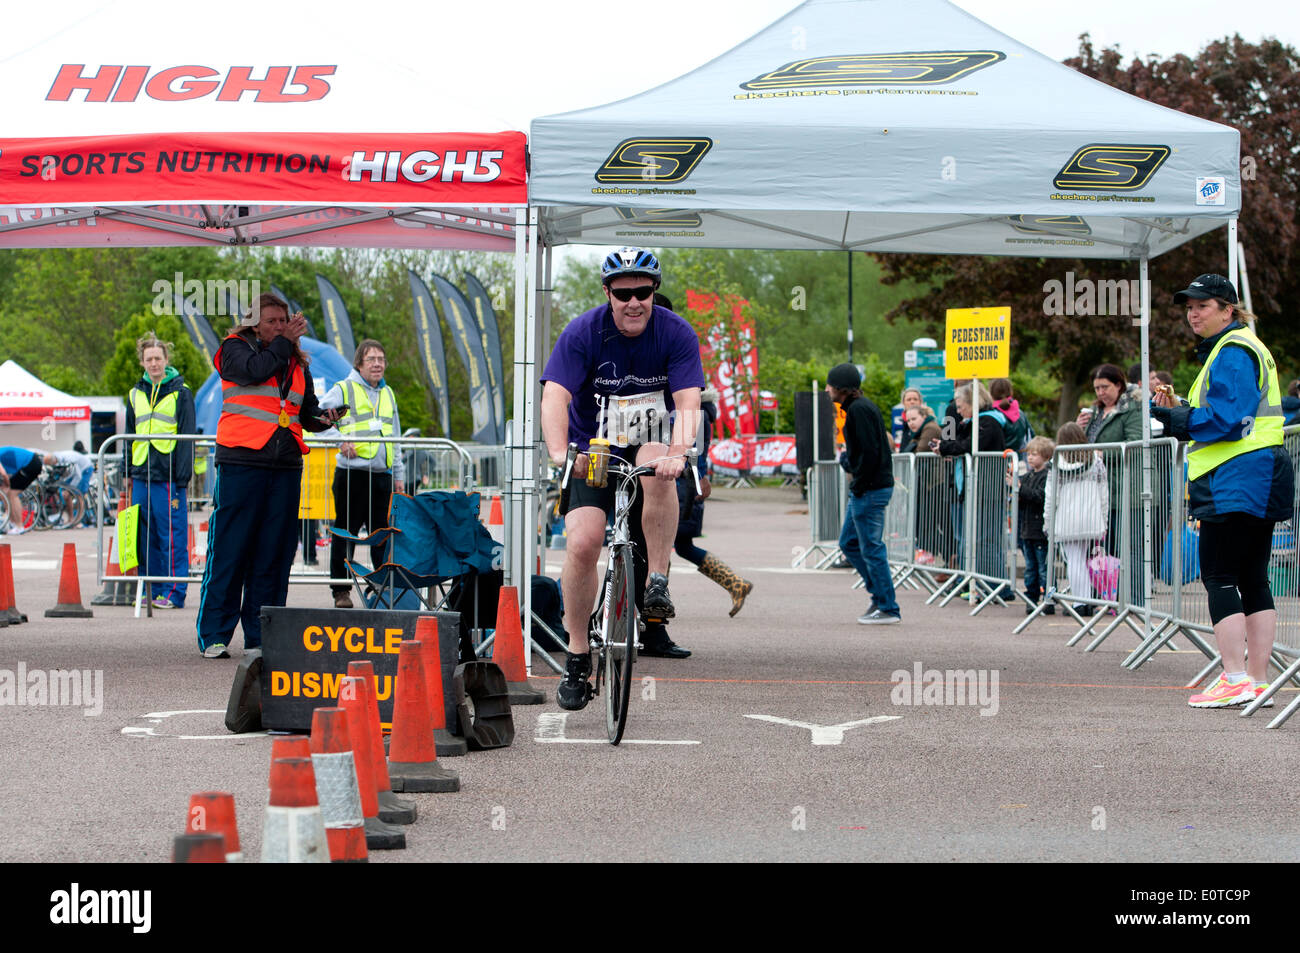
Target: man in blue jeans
x,y
867,456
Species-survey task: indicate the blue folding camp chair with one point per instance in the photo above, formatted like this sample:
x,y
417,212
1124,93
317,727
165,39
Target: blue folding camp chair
x,y
434,539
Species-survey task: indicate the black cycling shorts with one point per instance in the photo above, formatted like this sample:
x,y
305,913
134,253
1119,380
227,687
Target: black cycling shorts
x,y
24,477
578,494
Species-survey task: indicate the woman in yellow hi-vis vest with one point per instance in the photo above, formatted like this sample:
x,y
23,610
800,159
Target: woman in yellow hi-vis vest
x,y
1240,482
366,472
160,469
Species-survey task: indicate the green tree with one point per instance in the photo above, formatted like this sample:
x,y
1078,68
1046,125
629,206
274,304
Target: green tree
x,y
123,368
61,307
376,293
797,300
67,380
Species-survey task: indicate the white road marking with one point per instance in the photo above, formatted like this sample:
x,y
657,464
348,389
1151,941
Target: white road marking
x,y
156,717
550,730
826,734
42,565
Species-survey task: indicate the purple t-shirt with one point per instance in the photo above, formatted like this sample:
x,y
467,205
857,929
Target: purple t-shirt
x,y
592,358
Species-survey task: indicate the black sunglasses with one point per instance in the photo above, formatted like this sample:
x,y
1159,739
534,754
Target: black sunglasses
x,y
627,294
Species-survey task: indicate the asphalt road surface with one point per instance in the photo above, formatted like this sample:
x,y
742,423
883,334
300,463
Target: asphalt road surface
x,y
778,740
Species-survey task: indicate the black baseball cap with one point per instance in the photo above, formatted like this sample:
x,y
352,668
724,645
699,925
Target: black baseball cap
x,y
1208,286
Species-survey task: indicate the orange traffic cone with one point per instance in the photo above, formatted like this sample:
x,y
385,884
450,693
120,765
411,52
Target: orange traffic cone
x,y
5,580
426,633
379,835
508,649
336,786
213,812
294,832
199,849
290,746
392,809
10,610
115,592
496,523
412,756
69,605
197,560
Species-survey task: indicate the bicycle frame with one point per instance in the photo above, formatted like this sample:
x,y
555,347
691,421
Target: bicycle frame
x,y
615,625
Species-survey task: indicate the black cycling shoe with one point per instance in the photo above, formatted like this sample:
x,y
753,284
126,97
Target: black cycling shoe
x,y
665,649
657,603
656,644
575,691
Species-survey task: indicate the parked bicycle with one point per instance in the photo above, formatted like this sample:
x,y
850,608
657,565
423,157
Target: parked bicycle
x,y
51,504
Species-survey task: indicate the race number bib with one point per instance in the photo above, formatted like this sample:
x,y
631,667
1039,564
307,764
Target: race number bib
x,y
636,419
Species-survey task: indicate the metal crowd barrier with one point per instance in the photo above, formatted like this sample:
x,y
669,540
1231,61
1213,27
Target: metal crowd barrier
x,y
1099,501
934,499
827,492
432,463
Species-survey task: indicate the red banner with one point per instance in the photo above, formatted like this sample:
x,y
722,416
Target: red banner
x,y
252,167
730,358
751,455
730,458
11,415
774,455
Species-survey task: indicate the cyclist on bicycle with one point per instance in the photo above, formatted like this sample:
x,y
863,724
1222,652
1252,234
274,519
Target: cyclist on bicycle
x,y
628,371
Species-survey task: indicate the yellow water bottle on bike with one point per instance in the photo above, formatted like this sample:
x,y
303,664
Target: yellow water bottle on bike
x,y
597,462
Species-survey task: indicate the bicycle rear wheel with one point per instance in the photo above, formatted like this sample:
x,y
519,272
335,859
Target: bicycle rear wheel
x,y
62,507
620,645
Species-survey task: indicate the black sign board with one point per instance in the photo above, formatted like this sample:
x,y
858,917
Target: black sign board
x,y
305,655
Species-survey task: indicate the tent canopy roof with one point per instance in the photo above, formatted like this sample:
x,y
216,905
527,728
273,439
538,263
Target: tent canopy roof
x,y
25,398
121,129
885,125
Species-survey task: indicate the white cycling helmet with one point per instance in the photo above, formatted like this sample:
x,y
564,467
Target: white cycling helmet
x,y
630,261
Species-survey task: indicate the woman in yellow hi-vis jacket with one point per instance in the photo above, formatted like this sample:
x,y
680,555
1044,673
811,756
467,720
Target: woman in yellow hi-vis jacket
x,y
1240,482
366,473
160,404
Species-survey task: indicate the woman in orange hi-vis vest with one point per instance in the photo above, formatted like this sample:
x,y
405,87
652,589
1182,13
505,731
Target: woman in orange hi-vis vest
x,y
267,402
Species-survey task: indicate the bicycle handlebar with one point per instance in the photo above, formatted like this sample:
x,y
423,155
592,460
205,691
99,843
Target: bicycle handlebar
x,y
628,471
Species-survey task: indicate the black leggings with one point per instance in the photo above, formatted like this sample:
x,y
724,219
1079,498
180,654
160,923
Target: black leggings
x,y
1234,565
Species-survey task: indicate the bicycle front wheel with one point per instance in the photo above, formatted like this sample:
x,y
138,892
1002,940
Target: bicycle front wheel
x,y
32,511
620,645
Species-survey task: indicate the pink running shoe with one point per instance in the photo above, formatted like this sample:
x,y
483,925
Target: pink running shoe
x,y
1225,695
1260,689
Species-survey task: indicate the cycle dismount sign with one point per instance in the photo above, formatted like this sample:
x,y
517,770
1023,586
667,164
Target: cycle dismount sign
x,y
977,342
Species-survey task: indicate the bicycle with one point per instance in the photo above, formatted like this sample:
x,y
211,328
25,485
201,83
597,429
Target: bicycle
x,y
615,625
50,503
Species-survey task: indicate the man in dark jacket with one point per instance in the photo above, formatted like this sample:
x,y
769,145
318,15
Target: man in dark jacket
x,y
867,456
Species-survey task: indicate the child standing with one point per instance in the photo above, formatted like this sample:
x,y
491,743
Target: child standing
x,y
1033,536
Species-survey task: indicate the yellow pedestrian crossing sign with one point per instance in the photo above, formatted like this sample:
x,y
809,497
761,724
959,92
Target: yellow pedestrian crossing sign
x,y
977,342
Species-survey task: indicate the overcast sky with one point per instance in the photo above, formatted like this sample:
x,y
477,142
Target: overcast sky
x,y
522,59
